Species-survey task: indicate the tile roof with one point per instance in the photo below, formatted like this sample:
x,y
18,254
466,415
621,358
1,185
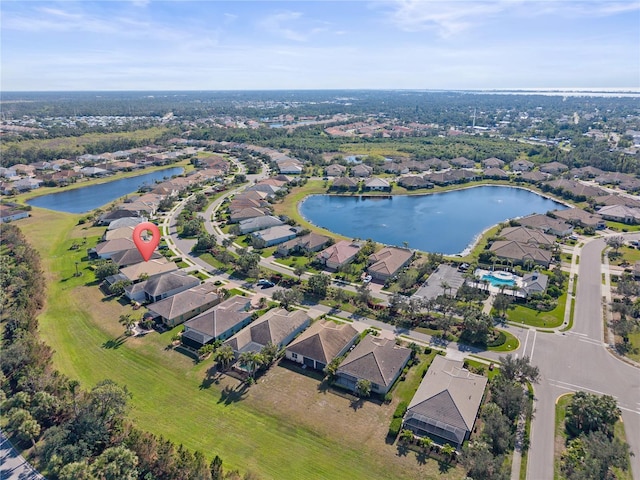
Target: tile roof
x,y
323,341
389,260
219,319
185,302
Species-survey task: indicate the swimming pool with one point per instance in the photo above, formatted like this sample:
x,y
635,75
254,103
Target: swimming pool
x,y
499,280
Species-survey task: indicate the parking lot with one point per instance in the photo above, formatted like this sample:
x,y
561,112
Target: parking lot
x,y
444,274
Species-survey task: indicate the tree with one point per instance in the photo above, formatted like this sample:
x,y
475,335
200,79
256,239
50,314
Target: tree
x,y
116,463
448,450
76,471
298,270
288,297
318,284
332,368
518,369
406,435
225,355
502,303
476,327
127,322
205,243
589,413
497,429
250,361
216,469
615,243
363,388
248,262
270,353
108,401
481,463
363,294
117,288
23,425
593,456
106,269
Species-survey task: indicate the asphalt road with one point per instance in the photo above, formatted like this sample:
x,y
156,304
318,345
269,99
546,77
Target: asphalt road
x,y
579,360
12,465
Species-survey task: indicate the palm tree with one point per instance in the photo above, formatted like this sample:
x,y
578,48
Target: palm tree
x,y
251,361
448,450
426,442
445,286
225,356
128,322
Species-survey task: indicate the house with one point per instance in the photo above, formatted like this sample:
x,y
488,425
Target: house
x,y
275,235
553,168
608,200
145,270
182,306
547,224
361,170
335,170
388,262
620,213
131,256
575,188
125,222
94,172
413,182
344,183
293,167
520,253
339,254
217,323
245,213
106,250
378,360
277,326
311,242
533,177
446,404
377,184
10,214
586,172
492,162
25,184
160,286
107,218
321,343
577,216
534,282
259,223
496,173
522,166
462,162
527,235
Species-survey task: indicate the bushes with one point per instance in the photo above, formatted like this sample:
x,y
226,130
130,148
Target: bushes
x,y
394,428
498,341
401,409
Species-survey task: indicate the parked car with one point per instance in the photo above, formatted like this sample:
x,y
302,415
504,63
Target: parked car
x,y
265,283
367,279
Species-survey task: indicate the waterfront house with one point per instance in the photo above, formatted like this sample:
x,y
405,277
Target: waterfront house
x,y
387,262
312,242
338,254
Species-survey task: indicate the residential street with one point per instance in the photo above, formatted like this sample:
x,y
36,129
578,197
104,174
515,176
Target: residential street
x,y
571,361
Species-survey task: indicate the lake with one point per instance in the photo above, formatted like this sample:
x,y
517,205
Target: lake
x,y
447,222
85,199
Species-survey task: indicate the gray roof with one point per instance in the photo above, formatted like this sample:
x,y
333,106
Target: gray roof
x,y
185,302
375,359
166,282
534,282
131,256
259,223
527,235
323,341
219,319
449,394
272,327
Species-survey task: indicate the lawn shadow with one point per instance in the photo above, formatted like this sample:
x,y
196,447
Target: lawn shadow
x,y
115,342
212,376
422,457
390,439
444,467
231,395
323,386
403,449
357,404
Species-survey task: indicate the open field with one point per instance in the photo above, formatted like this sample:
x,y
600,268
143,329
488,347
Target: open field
x,y
285,426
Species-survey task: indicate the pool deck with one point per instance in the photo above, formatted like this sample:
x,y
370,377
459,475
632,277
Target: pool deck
x,y
479,273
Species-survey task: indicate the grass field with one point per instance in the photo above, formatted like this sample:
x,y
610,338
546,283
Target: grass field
x,y
535,318
283,427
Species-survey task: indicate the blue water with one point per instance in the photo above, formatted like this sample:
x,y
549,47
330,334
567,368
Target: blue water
x,y
498,282
88,198
445,222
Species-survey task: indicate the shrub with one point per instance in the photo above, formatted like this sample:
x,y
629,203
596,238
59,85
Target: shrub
x,y
427,350
401,409
498,341
394,427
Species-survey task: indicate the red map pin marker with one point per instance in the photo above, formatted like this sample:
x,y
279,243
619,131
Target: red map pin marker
x,y
146,248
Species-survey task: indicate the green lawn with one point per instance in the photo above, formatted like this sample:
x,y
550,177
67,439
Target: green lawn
x,y
511,343
634,339
404,390
535,318
82,328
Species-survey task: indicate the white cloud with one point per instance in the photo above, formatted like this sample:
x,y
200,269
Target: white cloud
x,y
279,24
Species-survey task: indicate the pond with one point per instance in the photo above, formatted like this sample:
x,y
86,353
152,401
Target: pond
x,y
447,222
85,199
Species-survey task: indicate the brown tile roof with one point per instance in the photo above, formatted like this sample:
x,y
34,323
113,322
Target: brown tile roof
x,y
375,359
520,251
221,318
389,260
323,341
184,302
527,235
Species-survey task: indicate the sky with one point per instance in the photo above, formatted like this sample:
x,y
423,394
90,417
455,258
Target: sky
x,y
321,44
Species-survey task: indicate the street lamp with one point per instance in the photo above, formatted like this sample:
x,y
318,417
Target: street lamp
x,y
77,272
